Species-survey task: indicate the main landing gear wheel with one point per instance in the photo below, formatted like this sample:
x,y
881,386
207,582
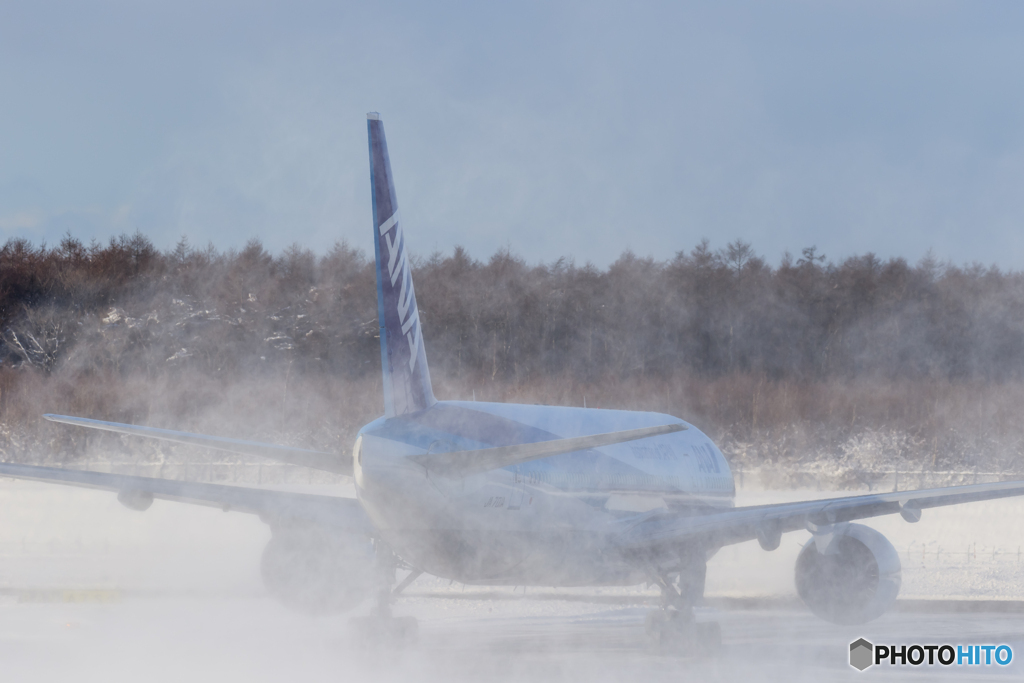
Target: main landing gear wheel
x,y
676,632
381,627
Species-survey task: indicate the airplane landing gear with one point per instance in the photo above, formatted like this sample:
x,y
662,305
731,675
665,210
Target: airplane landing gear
x,y
381,626
673,628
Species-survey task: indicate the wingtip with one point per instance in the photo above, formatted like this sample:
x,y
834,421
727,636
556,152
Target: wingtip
x,y
373,116
65,419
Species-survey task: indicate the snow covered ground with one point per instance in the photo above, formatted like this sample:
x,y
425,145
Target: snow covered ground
x,y
92,591
255,640
63,537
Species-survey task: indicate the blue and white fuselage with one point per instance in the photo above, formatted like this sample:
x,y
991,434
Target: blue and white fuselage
x,y
553,521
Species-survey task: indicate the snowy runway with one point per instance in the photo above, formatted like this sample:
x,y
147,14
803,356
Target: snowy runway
x,y
253,639
174,594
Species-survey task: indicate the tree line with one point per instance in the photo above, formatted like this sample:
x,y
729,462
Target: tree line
x,y
704,312
864,363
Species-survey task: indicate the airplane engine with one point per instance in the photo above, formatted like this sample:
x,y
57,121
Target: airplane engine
x,y
318,570
850,580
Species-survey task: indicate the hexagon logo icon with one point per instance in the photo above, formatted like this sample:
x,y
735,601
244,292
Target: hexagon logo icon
x,y
862,654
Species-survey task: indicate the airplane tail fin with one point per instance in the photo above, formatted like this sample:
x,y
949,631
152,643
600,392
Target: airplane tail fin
x,y
406,377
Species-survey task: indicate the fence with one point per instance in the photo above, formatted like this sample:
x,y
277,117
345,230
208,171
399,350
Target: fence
x,y
972,554
766,478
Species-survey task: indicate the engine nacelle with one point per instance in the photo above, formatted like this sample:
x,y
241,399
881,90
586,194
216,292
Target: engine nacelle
x,y
850,578
318,570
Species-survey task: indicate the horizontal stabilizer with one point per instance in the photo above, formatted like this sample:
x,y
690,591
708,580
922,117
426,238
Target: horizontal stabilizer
x,y
465,463
319,460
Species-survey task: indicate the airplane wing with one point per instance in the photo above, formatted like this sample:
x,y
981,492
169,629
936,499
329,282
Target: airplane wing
x,y
320,460
138,493
768,522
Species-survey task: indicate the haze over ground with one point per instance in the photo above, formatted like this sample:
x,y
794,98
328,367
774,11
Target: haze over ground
x,y
175,592
568,129
576,129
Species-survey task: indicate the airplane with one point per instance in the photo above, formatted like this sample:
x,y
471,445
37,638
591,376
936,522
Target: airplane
x,y
524,495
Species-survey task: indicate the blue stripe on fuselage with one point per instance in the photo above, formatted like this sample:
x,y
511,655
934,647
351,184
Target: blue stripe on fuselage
x,y
449,426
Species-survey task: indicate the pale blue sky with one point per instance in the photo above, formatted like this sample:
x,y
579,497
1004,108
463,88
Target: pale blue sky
x,y
555,128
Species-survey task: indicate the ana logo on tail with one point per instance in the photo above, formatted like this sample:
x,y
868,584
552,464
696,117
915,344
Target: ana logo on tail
x,y
398,268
